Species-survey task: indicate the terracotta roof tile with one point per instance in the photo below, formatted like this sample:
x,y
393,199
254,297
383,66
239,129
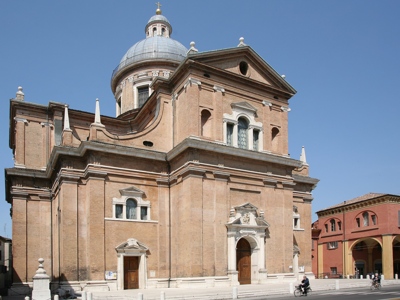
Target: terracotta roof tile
x,y
355,200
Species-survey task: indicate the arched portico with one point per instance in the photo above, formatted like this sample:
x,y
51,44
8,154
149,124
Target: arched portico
x,y
375,255
246,226
365,256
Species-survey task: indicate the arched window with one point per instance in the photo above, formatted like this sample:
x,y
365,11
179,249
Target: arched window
x,y
131,206
154,31
333,225
365,219
131,209
243,127
163,31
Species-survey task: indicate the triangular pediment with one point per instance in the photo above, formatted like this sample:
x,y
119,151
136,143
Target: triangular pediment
x,y
131,192
244,62
244,106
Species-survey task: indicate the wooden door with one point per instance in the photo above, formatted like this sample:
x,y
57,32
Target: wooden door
x,y
131,272
243,259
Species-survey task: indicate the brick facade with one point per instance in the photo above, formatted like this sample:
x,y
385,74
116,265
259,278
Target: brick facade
x,y
162,182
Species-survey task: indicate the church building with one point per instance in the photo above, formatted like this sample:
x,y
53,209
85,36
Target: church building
x,y
191,184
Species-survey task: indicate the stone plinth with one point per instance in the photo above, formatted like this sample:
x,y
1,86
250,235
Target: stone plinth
x,y
41,283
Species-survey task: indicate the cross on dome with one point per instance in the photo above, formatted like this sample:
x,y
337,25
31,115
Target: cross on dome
x,y
158,11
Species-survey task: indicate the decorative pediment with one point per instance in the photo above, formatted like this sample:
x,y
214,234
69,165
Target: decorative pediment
x,y
132,192
247,215
244,106
245,62
131,246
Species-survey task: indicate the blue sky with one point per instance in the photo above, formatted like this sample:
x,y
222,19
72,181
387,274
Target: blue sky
x,y
342,57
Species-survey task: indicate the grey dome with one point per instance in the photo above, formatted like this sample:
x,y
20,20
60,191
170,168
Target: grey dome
x,y
153,48
159,19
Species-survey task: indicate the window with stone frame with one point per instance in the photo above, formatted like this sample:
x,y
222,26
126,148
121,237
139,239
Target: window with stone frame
x,y
332,245
131,206
229,134
241,128
256,134
296,218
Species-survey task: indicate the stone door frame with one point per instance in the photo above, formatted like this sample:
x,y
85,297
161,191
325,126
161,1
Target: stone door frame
x,y
132,248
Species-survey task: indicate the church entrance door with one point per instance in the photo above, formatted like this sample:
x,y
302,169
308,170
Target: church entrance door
x,y
131,272
243,260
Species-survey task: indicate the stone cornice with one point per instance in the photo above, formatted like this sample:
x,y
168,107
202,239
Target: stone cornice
x,y
227,150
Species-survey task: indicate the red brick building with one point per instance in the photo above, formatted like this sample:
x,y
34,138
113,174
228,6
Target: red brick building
x,y
358,237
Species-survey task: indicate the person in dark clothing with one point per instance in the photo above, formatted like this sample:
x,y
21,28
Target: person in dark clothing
x,y
305,283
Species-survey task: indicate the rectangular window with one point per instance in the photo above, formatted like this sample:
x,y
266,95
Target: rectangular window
x,y
256,134
333,270
143,213
296,223
229,134
118,211
332,245
373,218
143,94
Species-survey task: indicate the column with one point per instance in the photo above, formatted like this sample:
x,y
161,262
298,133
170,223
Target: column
x,y
387,256
347,259
235,135
320,259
